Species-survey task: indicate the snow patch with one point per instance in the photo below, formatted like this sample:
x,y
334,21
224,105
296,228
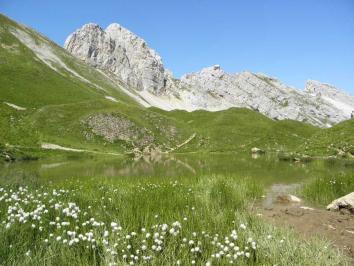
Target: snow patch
x,y
15,106
50,146
111,98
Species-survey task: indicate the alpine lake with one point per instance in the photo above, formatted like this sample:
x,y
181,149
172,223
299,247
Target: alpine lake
x,y
181,209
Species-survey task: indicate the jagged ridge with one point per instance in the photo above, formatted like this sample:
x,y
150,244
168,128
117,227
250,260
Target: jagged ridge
x,y
127,56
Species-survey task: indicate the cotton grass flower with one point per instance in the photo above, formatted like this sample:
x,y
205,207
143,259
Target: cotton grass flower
x,y
72,228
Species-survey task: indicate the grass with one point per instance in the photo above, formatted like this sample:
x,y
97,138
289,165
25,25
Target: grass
x,y
323,190
57,102
241,130
210,212
24,78
332,141
202,219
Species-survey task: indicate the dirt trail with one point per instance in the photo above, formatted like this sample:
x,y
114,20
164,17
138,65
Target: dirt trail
x,y
51,146
183,143
337,227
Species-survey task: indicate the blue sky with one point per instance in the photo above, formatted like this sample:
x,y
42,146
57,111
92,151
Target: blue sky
x,y
291,40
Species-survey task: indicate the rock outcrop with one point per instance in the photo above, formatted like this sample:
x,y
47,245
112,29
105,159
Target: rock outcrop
x,y
112,127
287,198
331,95
256,150
121,53
345,202
213,89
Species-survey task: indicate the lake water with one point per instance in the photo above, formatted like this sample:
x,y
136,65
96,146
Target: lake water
x,y
267,169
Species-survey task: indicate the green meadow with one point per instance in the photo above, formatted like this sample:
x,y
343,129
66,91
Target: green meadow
x,y
135,221
188,204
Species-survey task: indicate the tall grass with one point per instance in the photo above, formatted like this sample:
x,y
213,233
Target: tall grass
x,y
191,221
323,190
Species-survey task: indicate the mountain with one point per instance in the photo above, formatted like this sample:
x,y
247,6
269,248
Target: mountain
x,y
123,54
333,96
127,58
213,88
48,96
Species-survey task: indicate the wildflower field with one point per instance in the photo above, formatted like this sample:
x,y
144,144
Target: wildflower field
x,y
145,221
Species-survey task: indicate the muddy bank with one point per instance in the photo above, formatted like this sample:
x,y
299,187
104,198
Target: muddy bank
x,y
336,227
308,221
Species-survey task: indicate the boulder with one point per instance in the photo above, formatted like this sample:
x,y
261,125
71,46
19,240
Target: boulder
x,y
341,153
345,202
257,151
307,208
288,199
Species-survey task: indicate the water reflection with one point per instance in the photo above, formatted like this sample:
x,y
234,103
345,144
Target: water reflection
x,y
255,155
266,168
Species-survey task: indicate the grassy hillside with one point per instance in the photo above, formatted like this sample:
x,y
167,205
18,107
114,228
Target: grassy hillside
x,y
56,101
238,129
59,96
338,140
29,82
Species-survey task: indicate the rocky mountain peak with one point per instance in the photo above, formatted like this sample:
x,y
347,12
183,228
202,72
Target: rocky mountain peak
x,y
91,26
206,73
128,57
320,88
119,33
116,27
330,94
120,52
87,29
215,71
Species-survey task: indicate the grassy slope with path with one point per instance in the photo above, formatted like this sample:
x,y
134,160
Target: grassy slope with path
x,y
239,129
57,102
